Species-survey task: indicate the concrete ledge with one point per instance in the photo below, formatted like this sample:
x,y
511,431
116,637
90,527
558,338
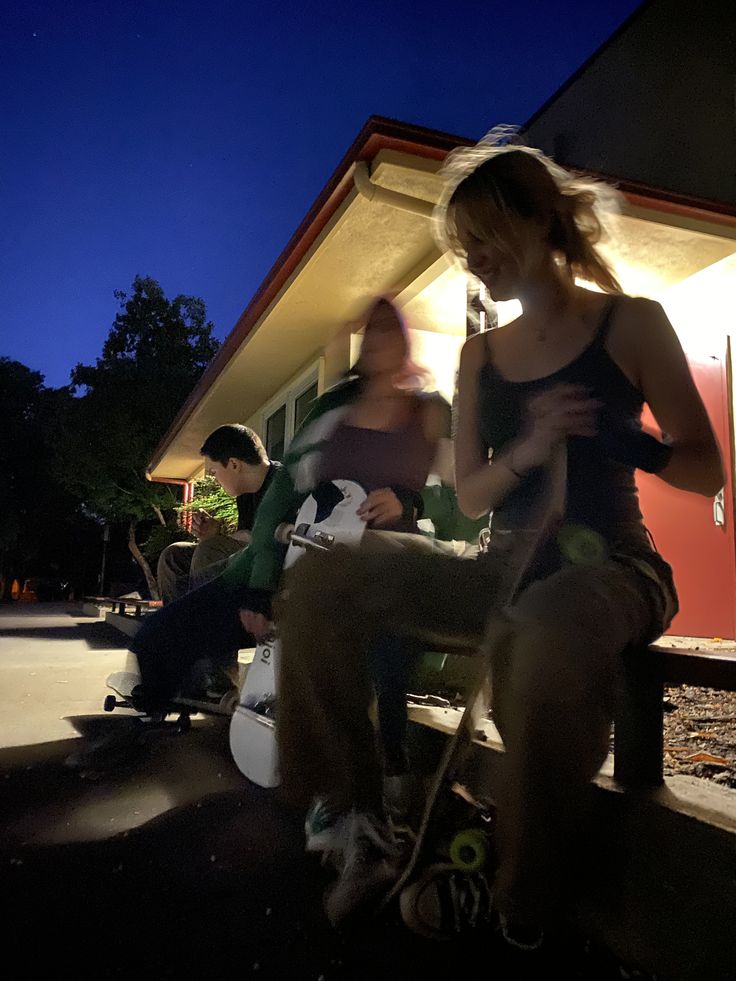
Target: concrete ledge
x,y
90,610
126,625
661,873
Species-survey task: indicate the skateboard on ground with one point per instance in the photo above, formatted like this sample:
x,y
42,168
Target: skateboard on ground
x,y
197,697
326,518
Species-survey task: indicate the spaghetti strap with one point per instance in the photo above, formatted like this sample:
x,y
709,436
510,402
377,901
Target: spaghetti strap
x,y
604,325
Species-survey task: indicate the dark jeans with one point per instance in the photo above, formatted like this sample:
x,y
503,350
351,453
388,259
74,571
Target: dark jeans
x,y
203,624
391,663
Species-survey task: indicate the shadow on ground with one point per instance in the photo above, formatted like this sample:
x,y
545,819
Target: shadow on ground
x,y
217,883
98,635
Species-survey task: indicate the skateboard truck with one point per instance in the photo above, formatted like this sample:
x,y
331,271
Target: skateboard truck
x,y
320,540
111,703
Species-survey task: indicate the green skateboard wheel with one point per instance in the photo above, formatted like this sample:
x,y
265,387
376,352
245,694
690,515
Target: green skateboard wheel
x,y
581,545
468,850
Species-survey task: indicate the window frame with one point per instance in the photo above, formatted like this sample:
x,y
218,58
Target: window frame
x,y
287,396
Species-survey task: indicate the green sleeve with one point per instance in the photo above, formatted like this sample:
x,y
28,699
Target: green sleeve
x,y
438,508
441,507
259,565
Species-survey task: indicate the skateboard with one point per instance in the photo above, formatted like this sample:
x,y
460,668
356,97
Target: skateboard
x,y
327,517
124,683
464,843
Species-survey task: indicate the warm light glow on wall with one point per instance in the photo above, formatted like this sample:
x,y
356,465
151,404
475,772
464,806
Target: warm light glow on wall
x,y
507,310
702,307
440,355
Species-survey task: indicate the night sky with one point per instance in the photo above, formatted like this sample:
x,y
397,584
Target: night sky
x,y
186,140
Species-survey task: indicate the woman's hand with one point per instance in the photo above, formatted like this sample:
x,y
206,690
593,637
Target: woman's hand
x,y
380,508
562,411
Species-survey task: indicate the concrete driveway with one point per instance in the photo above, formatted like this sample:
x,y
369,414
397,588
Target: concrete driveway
x,y
173,865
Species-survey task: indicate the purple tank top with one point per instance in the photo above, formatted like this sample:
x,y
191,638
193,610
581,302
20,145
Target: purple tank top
x,y
376,458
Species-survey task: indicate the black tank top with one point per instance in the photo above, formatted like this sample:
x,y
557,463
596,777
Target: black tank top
x,y
601,493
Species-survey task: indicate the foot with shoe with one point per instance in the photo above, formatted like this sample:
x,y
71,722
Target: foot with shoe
x,y
363,850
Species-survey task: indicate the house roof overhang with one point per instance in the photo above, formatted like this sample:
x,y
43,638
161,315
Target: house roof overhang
x,y
346,249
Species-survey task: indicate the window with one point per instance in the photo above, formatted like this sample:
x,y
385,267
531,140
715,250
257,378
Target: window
x,y
302,405
286,411
276,434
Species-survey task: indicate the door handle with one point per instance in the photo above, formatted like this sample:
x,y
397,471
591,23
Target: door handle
x,y
719,509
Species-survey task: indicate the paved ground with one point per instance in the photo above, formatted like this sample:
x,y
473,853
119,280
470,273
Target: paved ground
x,y
175,865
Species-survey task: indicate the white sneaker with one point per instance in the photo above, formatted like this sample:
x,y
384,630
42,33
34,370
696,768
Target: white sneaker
x,y
325,830
369,867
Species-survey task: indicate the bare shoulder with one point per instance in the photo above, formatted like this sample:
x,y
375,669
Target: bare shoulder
x,y
640,331
437,415
637,316
473,353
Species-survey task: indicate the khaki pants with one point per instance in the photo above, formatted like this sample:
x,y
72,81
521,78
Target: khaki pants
x,y
183,566
555,667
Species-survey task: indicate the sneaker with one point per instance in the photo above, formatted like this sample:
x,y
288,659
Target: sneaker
x,y
210,687
326,831
142,701
369,867
446,902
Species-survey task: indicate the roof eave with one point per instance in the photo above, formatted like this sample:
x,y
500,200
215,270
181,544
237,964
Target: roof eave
x,y
379,133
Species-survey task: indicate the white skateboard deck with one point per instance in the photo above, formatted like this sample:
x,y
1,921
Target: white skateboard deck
x,y
253,734
326,518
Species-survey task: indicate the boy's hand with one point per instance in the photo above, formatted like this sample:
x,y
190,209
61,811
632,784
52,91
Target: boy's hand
x,y
204,526
256,624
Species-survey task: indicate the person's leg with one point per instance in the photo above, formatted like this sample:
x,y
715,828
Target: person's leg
x,y
203,624
337,605
391,663
210,558
554,685
172,572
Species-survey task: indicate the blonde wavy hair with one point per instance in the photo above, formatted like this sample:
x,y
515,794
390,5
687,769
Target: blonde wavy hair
x,y
499,180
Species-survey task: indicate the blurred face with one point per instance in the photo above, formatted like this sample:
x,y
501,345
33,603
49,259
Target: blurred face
x,y
226,474
384,349
503,267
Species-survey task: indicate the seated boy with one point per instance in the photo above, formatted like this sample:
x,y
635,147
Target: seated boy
x,y
203,625
237,459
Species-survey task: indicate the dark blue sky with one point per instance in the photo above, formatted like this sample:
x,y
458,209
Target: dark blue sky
x,y
186,140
